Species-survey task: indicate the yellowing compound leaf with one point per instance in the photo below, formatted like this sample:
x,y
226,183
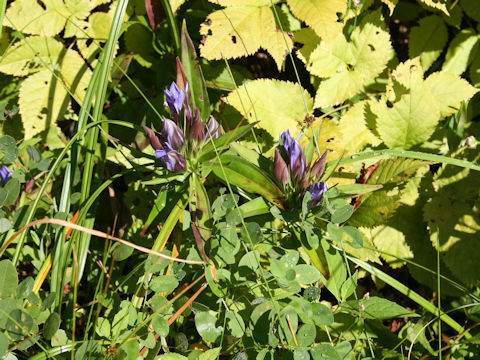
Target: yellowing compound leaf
x,y
325,61
437,4
449,91
461,51
29,17
427,40
42,100
366,56
277,105
320,15
240,31
354,131
31,55
100,23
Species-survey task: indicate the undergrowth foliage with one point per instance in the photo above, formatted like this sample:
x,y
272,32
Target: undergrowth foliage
x,y
289,179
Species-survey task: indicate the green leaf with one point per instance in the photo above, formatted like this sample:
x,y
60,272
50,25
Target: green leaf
x,y
59,339
205,324
208,150
5,225
461,51
51,326
366,55
201,215
102,327
336,267
120,321
306,274
164,283
160,325
19,324
306,335
283,109
428,40
3,344
342,214
376,308
194,74
247,176
211,354
172,356
9,147
8,280
235,324
320,15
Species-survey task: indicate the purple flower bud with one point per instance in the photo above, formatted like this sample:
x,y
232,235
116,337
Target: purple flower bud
x,y
213,128
280,169
296,155
154,138
172,158
318,168
174,98
197,132
5,174
172,134
317,190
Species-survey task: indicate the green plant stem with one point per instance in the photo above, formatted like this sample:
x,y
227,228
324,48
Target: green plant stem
x,y
173,24
316,256
397,285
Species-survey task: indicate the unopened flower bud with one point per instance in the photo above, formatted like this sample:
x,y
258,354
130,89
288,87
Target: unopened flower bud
x,y
174,98
154,138
197,132
280,169
317,190
318,168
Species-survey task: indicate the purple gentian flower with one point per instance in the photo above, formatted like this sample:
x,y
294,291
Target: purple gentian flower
x,y
317,190
172,158
213,128
172,134
296,155
174,98
5,174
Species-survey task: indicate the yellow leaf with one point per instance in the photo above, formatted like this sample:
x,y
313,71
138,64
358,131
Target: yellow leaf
x,y
283,108
278,44
391,4
354,131
233,32
243,2
42,101
437,4
30,55
175,4
29,17
320,15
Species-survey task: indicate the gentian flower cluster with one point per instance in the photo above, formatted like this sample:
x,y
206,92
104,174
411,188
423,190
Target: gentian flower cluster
x,y
5,175
292,171
171,144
